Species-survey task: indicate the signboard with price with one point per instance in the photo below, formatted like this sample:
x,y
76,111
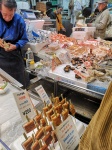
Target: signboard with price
x,y
24,105
67,134
42,93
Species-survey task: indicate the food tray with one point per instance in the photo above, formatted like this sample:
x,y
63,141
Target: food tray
x,y
42,54
16,145
69,77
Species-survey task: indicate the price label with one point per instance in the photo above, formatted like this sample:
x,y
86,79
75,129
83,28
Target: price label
x,y
26,112
24,105
67,134
41,92
54,65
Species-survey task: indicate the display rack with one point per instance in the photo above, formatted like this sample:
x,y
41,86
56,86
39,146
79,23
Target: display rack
x,y
85,100
82,90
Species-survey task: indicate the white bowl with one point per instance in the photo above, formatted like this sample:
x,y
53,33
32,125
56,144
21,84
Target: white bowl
x,y
2,91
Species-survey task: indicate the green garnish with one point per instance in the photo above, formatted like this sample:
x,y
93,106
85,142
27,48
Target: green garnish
x,y
3,86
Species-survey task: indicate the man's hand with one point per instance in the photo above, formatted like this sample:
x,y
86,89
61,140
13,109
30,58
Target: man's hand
x,y
10,48
1,43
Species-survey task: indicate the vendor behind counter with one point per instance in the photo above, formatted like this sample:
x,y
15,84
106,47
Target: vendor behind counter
x,y
102,19
12,38
63,25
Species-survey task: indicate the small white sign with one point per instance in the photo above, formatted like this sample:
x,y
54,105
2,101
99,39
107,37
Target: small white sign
x,y
24,105
43,95
67,134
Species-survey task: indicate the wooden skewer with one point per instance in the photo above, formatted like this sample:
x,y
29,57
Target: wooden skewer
x,y
53,125
36,124
45,132
44,103
33,138
63,107
40,143
25,136
62,96
36,111
46,121
27,118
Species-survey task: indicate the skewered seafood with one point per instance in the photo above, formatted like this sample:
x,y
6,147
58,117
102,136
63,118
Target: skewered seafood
x,y
71,108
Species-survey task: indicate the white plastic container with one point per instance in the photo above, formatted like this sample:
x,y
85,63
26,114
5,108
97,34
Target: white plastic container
x,y
83,33
84,29
36,47
34,24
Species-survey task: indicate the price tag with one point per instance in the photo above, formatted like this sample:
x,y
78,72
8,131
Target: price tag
x,y
41,92
24,105
54,65
67,134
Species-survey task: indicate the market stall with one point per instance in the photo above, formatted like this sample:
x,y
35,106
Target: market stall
x,y
11,123
72,76
81,66
89,59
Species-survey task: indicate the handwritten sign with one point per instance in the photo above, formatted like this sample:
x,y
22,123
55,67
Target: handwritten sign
x,y
54,65
67,134
41,92
24,105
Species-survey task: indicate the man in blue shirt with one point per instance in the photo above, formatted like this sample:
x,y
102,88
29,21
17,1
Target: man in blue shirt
x,y
13,32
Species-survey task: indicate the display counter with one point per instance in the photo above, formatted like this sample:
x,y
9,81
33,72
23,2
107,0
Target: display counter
x,y
10,120
60,75
90,92
86,97
11,123
16,145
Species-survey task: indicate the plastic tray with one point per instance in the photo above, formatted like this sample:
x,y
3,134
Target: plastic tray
x,y
16,145
60,75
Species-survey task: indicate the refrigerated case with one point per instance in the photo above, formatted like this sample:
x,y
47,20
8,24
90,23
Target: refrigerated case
x,y
86,101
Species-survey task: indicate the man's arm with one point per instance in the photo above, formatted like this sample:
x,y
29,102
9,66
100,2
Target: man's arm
x,y
52,15
60,23
23,39
103,23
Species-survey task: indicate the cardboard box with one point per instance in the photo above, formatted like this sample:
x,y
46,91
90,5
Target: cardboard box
x,y
41,6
